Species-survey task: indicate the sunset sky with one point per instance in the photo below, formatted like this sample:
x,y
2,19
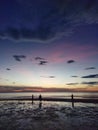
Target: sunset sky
x,y
48,44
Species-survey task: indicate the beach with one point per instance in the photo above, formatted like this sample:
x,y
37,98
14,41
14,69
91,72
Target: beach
x,y
23,115
49,65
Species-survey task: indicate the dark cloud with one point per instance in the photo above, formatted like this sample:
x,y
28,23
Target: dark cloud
x,y
43,62
70,61
45,19
51,76
27,34
90,68
19,57
72,83
90,83
13,33
39,58
8,69
48,77
74,76
91,76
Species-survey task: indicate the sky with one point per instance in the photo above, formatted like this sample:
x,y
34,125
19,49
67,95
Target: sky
x,y
49,45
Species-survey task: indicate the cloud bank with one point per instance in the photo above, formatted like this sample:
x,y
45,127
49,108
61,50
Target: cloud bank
x,y
91,76
72,84
90,68
90,83
44,20
51,77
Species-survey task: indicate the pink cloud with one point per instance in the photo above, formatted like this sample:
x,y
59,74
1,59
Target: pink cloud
x,y
84,52
57,54
63,52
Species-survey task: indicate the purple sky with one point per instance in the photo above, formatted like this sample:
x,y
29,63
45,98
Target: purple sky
x,y
49,43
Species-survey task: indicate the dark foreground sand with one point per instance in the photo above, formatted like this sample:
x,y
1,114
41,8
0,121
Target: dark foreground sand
x,y
22,115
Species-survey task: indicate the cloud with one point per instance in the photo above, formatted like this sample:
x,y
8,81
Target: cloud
x,y
19,89
90,68
90,83
43,62
26,34
31,89
39,58
57,53
48,77
70,61
52,77
19,57
8,69
45,19
74,76
91,76
72,83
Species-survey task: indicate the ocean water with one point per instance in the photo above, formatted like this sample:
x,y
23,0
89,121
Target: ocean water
x,y
50,94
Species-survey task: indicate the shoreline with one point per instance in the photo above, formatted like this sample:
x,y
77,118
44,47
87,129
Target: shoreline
x,y
53,100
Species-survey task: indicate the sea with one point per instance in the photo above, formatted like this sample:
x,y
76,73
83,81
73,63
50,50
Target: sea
x,y
79,95
47,115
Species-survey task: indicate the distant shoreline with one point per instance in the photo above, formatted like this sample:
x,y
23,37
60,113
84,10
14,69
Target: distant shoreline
x,y
51,92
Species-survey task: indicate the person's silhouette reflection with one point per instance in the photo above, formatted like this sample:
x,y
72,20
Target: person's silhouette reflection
x,y
40,105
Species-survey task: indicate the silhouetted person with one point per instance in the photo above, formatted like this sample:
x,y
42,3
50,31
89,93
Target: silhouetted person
x,y
40,98
72,99
32,97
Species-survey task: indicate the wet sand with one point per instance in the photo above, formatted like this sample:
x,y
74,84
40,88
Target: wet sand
x,y
23,115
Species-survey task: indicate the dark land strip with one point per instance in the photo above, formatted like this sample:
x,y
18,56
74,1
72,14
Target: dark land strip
x,y
52,99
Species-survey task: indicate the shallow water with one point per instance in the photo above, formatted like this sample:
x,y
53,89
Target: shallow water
x,y
50,94
23,115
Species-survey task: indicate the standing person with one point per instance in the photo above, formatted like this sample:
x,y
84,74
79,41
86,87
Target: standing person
x,y
72,100
72,97
40,101
40,97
